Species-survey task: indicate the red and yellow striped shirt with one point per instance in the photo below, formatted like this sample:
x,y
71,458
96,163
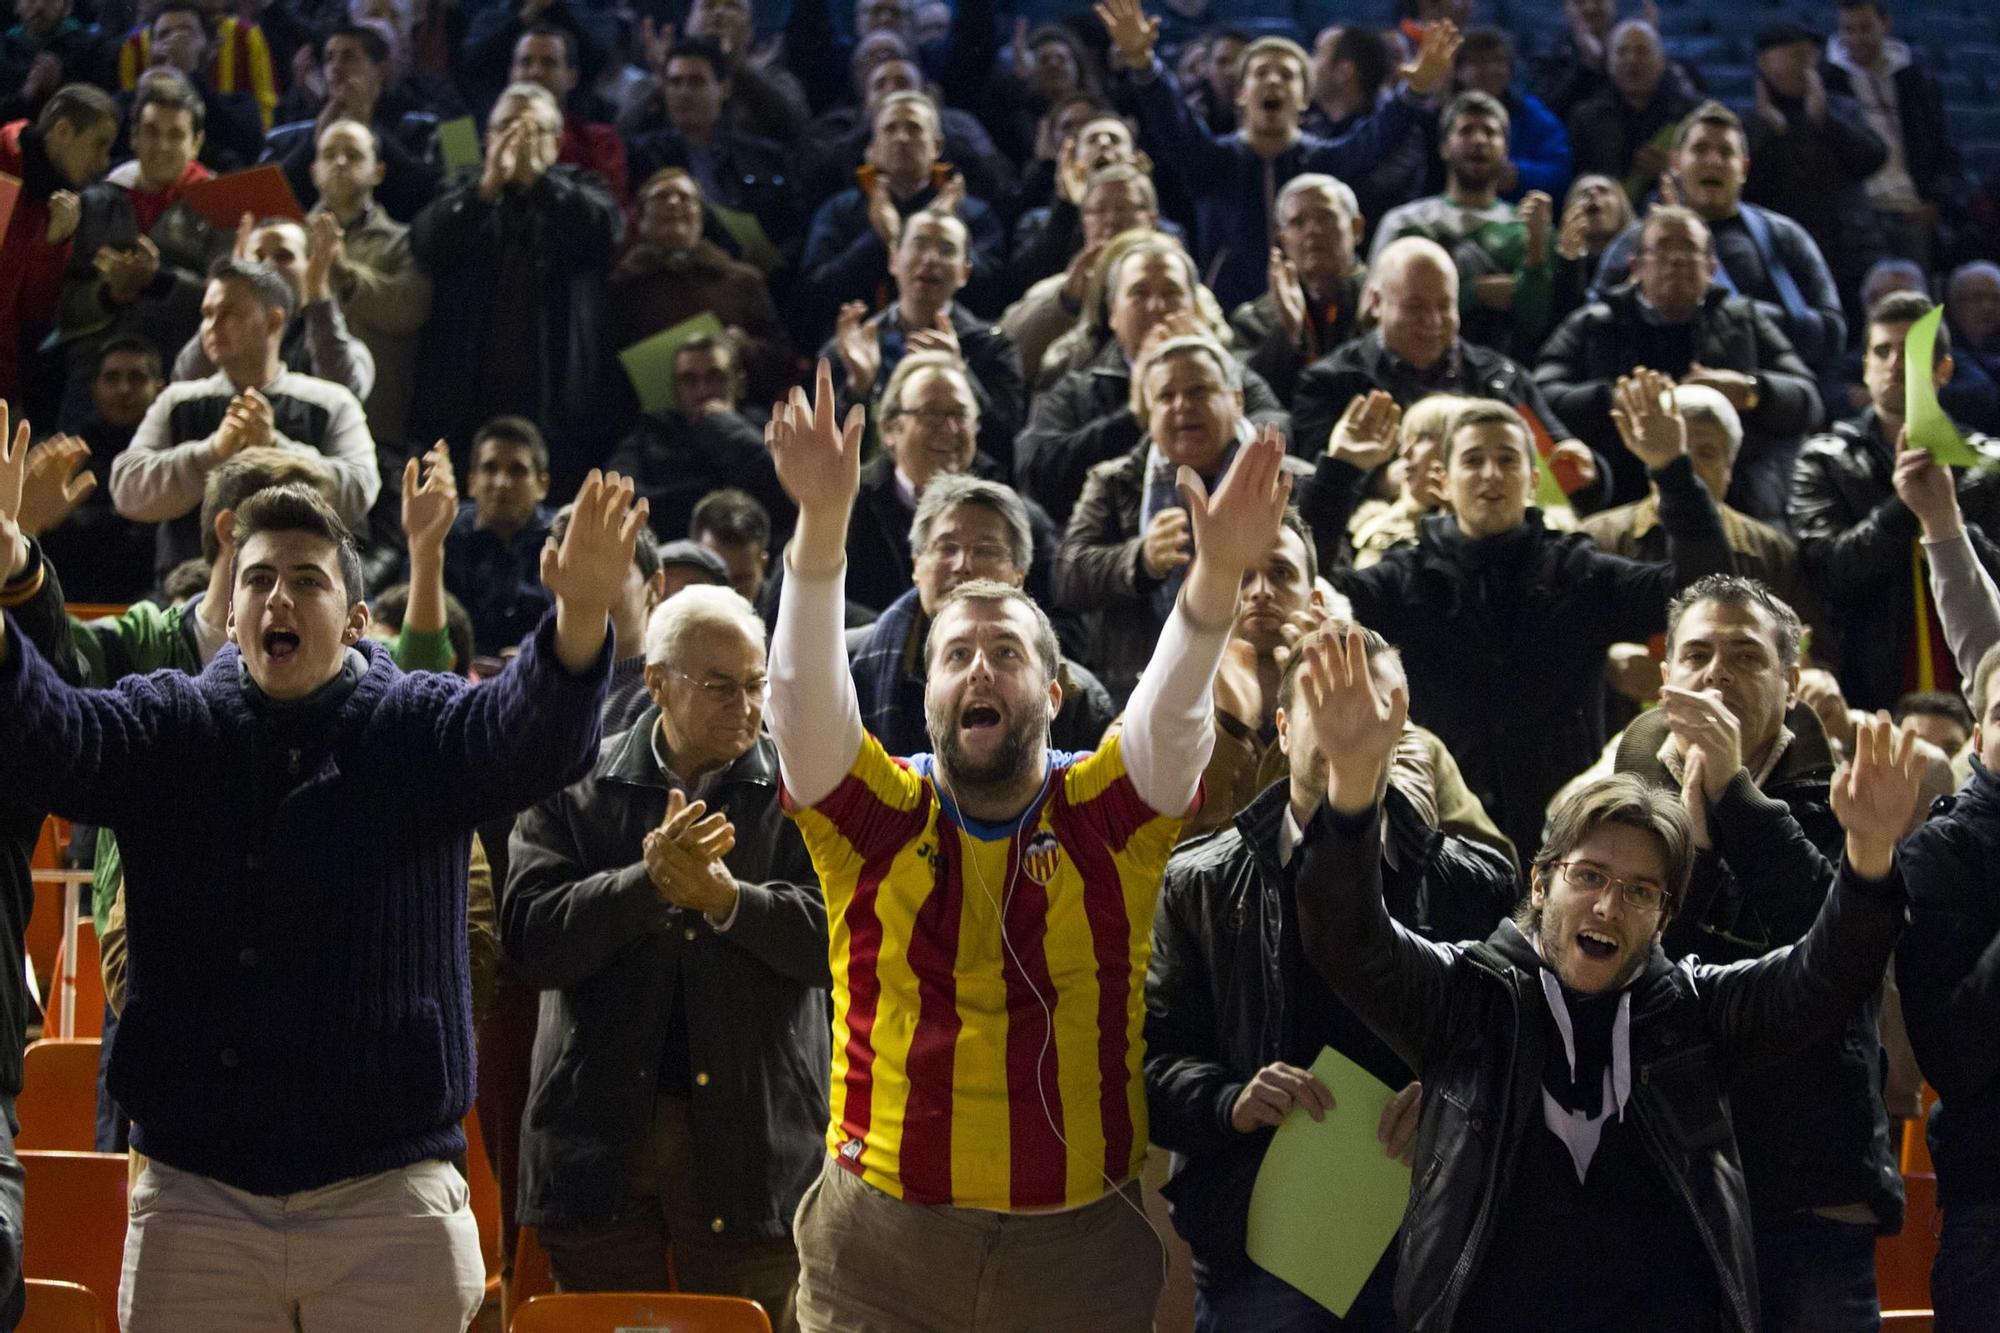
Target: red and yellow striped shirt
x,y
948,1086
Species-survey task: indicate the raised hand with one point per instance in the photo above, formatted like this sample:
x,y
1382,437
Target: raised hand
x,y
324,249
656,42
1535,213
1648,420
1432,66
64,211
1164,547
53,486
588,570
860,350
1365,435
1288,295
818,462
1574,465
1875,792
1133,35
1234,528
431,508
14,548
1927,489
1355,724
1072,173
1271,1094
1703,724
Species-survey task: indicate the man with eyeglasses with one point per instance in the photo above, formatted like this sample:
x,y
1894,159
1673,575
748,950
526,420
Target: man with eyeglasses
x,y
965,528
669,913
931,264
1578,1084
1313,301
1674,317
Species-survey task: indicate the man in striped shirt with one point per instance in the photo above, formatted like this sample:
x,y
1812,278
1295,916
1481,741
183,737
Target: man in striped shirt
x,y
989,912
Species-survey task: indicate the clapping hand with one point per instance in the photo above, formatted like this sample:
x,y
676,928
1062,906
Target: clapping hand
x,y
940,338
1288,295
1648,419
683,857
1365,435
860,350
1703,724
1875,792
325,247
431,508
1355,723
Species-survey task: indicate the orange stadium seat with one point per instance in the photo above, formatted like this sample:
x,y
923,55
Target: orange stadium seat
x,y
639,1312
74,1221
89,989
1903,1263
61,1307
58,1103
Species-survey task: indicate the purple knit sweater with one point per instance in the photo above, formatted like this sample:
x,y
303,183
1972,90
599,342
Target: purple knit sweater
x,y
298,1008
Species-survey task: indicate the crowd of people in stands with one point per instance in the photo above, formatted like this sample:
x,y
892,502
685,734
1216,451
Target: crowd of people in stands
x,y
1018,575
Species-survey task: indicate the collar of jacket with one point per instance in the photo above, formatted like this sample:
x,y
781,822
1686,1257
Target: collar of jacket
x,y
1511,957
1442,534
628,759
1629,303
868,173
645,259
221,685
1110,360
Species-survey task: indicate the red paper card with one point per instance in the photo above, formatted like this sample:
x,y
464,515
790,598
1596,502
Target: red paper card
x,y
262,192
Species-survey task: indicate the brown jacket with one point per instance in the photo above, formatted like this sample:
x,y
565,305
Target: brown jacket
x,y
651,290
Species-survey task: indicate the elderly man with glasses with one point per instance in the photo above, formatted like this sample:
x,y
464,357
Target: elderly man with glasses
x,y
670,914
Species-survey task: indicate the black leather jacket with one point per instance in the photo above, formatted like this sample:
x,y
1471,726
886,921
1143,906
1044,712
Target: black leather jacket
x,y
1223,985
1466,1019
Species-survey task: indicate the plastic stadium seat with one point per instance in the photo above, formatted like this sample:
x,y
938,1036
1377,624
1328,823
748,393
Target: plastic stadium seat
x,y
61,1307
75,1221
1906,1321
530,1278
58,1103
485,1191
1903,1263
639,1312
89,1011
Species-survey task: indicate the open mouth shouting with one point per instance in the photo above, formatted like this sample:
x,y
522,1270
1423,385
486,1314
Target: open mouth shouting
x,y
1596,945
978,718
280,645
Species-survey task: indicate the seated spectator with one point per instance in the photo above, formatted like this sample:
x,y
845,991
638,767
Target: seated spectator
x,y
765,98
1547,607
1312,302
316,341
1675,318
964,528
66,149
361,87
1594,212
493,35
1854,517
1626,130
1571,71
1352,67
1414,350
252,400
699,442
383,294
1128,540
547,55
1763,255
1945,973
1048,237
1235,1017
644,588
854,233
1937,716
181,37
103,557
1920,178
732,524
1970,397
673,272
1044,66
689,564
1812,153
1537,143
46,48
1145,289
670,914
1212,97
1041,185
1505,279
139,260
733,169
1972,307
838,143
1117,199
1227,174
493,554
931,264
518,254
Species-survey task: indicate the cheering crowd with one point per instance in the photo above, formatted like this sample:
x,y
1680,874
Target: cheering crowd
x,y
1020,575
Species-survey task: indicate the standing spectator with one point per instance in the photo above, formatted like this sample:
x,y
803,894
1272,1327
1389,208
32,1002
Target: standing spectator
x,y
141,254
673,272
1116,199
1048,237
1234,176
547,55
103,557
1571,72
252,401
1812,153
737,529
1235,1016
181,37
356,66
493,549
1537,143
1763,255
854,233
1673,318
384,296
765,98
46,48
1626,131
296,1043
931,264
1352,65
1505,279
518,253
1594,212
493,37
67,148
1919,183
668,911
1857,532
1313,301
1945,969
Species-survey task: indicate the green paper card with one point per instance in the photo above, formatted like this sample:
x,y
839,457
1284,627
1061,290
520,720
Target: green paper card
x,y
458,144
1929,427
649,363
1327,1201
750,236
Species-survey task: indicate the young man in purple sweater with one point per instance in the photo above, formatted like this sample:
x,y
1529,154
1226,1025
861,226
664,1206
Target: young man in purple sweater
x,y
296,1048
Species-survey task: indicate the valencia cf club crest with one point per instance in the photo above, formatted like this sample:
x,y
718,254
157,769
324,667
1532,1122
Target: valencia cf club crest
x,y
1041,857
